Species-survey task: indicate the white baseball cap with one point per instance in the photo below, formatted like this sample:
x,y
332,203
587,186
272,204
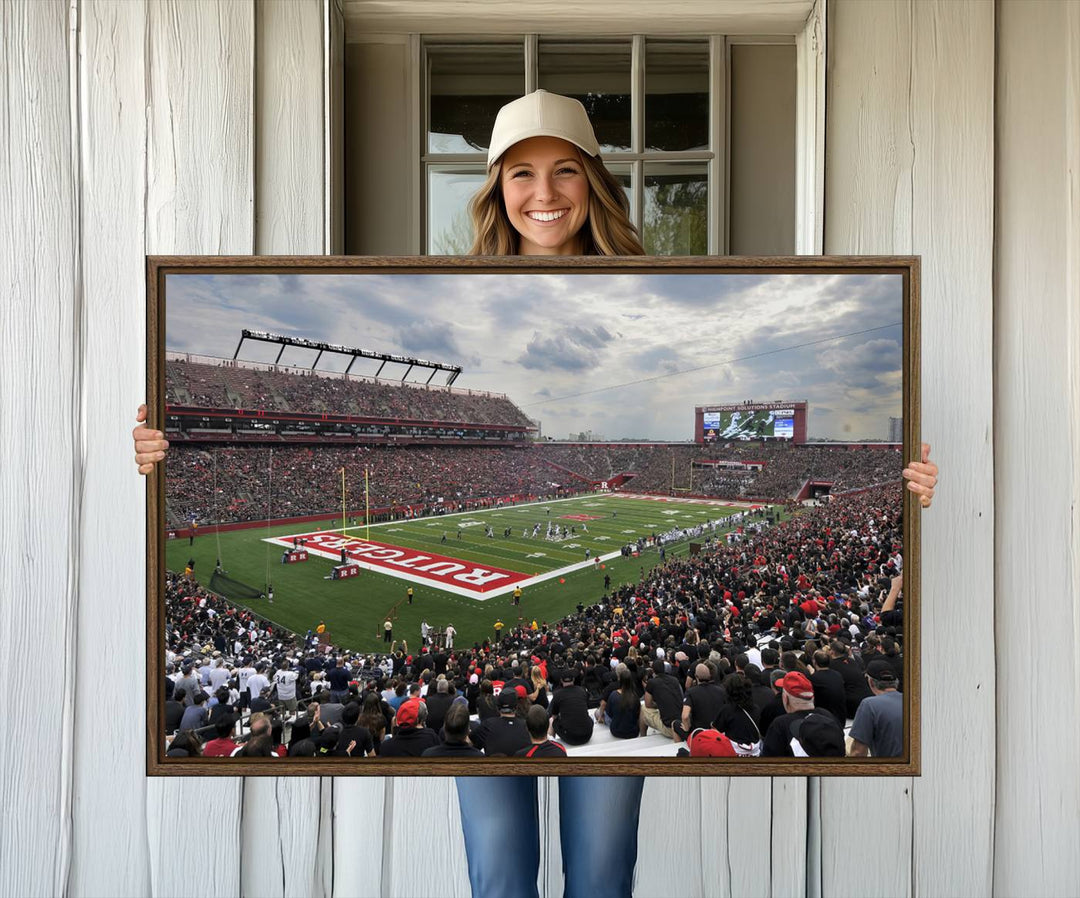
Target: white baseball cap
x,y
541,114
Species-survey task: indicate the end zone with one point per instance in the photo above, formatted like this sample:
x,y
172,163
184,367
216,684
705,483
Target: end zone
x,y
453,575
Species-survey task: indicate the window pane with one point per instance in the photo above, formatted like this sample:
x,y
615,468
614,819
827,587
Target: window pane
x,y
449,191
466,87
623,174
676,209
676,95
597,74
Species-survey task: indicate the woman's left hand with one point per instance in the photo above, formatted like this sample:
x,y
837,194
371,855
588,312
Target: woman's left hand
x,y
922,476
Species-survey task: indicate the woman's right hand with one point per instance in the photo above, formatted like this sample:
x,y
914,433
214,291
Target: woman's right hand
x,y
150,445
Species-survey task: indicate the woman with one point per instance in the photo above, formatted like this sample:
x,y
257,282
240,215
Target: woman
x,y
372,717
187,744
547,193
538,696
624,706
737,718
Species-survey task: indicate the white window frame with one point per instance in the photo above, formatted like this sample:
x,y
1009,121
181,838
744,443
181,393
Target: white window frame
x,y
810,124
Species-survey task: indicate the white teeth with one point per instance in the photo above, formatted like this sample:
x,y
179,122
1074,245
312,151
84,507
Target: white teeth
x,y
547,216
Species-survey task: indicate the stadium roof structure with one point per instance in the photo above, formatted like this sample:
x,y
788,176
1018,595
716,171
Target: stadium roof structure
x,y
452,371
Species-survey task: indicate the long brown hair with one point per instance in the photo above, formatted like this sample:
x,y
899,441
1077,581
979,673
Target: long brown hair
x,y
608,230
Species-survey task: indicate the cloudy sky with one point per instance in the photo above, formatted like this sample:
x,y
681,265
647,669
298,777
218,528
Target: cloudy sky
x,y
626,355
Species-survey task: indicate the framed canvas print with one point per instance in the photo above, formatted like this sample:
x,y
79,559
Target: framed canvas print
x,y
430,516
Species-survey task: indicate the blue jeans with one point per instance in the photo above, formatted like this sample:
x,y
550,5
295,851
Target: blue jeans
x,y
598,823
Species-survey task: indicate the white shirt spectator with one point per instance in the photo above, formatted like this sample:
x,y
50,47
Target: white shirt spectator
x,y
256,684
286,684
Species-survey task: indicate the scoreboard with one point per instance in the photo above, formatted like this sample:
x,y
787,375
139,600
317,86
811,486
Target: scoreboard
x,y
783,420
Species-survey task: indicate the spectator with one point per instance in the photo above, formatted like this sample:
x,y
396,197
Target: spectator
x,y
702,703
569,710
855,688
828,686
736,718
186,744
456,731
411,736
354,739
798,698
197,714
222,746
878,729
174,711
438,703
663,701
624,706
541,746
505,734
285,683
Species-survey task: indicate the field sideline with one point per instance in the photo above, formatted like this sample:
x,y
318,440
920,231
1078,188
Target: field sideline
x,y
555,575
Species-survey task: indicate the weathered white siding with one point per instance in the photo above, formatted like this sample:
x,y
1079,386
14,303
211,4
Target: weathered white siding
x,y
129,127
910,152
1037,449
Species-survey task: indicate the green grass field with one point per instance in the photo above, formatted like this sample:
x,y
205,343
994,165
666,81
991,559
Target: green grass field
x,y
354,609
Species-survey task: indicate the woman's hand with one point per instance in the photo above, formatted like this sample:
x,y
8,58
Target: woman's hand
x,y
921,477
150,445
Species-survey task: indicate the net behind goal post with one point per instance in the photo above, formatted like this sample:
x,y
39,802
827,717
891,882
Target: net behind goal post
x,y
226,586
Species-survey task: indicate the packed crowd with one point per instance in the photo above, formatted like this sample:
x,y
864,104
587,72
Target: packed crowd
x,y
306,480
236,386
784,467
767,642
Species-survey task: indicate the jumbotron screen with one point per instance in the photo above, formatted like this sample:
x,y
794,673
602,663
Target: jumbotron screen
x,y
765,421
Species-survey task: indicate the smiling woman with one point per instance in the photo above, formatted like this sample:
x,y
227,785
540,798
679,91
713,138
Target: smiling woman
x,y
547,191
546,195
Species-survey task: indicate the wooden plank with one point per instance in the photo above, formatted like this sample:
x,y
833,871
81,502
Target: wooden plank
x,y
112,585
279,832
444,872
285,848
953,229
551,875
910,155
1037,443
200,186
554,17
289,128
748,840
869,159
670,842
788,838
199,197
179,809
361,822
40,434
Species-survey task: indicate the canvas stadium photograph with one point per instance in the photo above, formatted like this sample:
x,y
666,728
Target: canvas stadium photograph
x,y
433,516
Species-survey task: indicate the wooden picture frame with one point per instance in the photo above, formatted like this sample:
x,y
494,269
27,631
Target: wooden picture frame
x,y
635,278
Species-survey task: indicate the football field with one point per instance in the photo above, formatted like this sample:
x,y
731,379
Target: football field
x,y
463,568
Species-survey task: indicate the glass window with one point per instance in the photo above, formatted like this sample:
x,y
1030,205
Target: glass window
x,y
654,112
624,174
597,74
676,96
450,188
467,85
676,209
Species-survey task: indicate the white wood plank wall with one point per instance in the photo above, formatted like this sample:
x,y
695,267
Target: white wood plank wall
x,y
1037,442
953,131
909,152
41,452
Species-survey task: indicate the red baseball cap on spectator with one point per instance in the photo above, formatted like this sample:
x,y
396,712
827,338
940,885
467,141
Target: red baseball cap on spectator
x,y
710,744
796,684
408,714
